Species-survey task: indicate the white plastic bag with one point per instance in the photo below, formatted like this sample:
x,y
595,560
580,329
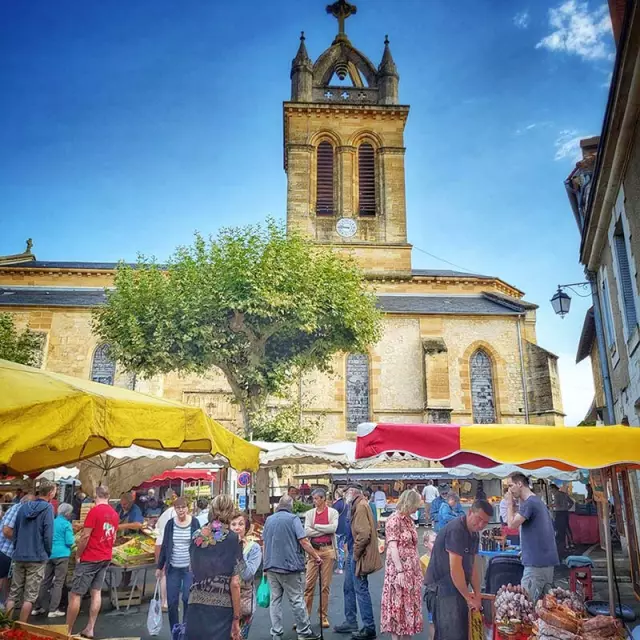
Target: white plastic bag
x,y
154,617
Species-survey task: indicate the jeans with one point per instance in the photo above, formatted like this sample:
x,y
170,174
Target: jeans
x,y
535,579
450,613
179,580
357,589
55,574
289,584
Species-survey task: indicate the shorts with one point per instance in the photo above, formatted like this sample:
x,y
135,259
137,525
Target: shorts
x,y
5,566
535,579
26,581
89,576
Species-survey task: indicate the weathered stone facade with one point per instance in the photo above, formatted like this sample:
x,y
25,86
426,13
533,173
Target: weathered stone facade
x,y
437,324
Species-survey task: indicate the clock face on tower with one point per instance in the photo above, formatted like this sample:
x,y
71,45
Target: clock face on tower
x,y
346,227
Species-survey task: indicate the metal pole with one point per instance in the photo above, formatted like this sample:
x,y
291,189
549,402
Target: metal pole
x,y
608,549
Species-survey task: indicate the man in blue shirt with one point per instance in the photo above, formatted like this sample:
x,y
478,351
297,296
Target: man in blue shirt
x,y
129,513
537,536
284,544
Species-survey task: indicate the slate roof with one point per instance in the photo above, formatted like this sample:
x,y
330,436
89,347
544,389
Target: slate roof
x,y
51,297
445,273
484,304
587,336
41,264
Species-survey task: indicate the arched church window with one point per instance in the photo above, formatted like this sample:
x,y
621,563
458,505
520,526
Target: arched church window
x,y
366,180
324,181
357,388
482,391
103,368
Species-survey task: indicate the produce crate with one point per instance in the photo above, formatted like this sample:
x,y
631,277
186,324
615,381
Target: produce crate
x,y
55,632
122,598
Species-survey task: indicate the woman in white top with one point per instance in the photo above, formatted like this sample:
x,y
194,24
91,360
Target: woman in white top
x,y
175,561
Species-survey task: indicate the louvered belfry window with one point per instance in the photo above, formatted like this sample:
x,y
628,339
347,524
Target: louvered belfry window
x,y
366,180
324,187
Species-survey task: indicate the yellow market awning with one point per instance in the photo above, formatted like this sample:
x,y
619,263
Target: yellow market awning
x,y
49,420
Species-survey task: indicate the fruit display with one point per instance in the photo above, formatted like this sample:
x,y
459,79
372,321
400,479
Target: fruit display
x,y
24,631
513,607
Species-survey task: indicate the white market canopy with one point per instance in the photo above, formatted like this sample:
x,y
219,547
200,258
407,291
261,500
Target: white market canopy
x,y
277,454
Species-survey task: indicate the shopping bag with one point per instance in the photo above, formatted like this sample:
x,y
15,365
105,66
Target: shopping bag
x,y
154,617
263,596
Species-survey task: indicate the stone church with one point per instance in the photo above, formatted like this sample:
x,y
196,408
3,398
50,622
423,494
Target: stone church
x,y
456,347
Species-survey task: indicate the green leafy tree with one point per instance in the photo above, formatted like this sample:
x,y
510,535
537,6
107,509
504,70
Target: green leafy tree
x,y
22,347
261,305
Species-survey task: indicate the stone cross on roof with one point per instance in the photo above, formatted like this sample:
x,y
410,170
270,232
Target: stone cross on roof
x,y
341,10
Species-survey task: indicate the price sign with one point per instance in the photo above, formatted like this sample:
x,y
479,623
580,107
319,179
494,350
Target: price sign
x,y
244,479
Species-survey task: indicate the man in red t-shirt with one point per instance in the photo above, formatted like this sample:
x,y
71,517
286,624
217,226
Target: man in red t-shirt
x,y
94,553
320,526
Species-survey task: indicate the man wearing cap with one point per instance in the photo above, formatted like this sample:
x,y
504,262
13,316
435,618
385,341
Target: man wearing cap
x,y
363,558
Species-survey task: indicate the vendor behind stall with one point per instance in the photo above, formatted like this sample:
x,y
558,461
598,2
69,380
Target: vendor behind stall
x,y
129,513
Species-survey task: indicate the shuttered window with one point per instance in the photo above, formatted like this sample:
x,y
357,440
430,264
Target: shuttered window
x,y
482,399
366,180
624,280
324,182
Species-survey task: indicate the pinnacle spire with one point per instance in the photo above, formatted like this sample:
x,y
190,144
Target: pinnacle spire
x,y
302,57
387,64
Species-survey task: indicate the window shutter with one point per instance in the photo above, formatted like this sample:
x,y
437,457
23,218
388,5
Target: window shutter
x,y
367,180
324,174
626,285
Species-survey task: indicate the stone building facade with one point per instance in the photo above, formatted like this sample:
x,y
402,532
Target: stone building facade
x,y
456,347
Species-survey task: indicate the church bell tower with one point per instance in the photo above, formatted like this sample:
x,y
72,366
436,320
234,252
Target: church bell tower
x,y
344,153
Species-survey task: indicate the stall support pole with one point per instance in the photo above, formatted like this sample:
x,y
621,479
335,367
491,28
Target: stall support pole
x,y
608,549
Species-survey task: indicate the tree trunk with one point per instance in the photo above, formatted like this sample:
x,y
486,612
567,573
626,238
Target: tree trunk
x,y
251,408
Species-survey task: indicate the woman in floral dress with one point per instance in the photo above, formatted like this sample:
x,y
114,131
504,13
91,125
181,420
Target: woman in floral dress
x,y
402,590
216,562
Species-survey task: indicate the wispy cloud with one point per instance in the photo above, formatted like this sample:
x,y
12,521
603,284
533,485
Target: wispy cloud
x,y
530,127
568,145
578,31
521,20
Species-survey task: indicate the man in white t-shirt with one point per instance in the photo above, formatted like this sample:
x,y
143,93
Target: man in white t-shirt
x,y
380,500
429,494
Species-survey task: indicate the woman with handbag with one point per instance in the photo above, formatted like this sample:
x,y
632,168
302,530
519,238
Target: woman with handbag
x,y
252,554
174,560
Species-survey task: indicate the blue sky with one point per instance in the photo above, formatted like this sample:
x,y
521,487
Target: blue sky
x,y
128,125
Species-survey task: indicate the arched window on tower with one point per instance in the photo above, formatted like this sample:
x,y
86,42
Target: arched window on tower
x,y
103,368
482,391
324,179
366,180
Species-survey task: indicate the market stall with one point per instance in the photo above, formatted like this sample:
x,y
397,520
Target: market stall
x,y
51,420
615,450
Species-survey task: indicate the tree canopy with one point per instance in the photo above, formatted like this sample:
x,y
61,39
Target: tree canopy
x,y
23,347
261,305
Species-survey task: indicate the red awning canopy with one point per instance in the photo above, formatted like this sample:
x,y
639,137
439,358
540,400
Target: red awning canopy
x,y
177,475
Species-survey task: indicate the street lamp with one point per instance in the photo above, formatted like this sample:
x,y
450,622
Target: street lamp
x,y
561,301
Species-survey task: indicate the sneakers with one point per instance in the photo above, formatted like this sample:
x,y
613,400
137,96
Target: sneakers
x,y
345,627
38,612
56,614
364,634
309,636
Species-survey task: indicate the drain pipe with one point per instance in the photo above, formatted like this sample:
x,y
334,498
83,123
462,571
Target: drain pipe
x,y
523,373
